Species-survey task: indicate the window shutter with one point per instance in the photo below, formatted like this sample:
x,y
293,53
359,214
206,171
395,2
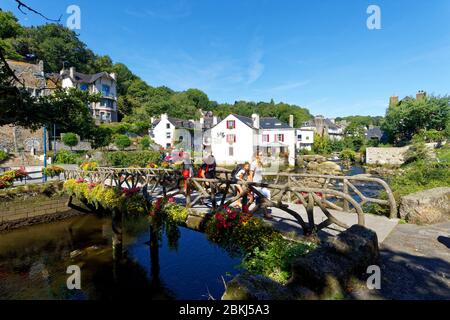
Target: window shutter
x,y
275,138
282,138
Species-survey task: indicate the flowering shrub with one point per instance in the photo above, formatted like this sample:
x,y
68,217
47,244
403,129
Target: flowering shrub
x,y
8,177
89,166
127,200
152,165
166,214
52,171
238,231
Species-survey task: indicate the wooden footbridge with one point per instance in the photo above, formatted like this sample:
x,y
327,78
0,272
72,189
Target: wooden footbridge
x,y
313,202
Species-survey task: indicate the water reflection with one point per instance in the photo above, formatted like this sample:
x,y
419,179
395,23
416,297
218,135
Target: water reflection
x,y
117,261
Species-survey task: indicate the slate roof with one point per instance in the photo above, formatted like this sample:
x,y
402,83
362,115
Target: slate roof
x,y
86,78
264,123
375,133
178,123
327,122
32,75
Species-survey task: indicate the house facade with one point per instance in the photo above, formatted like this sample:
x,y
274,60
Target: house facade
x,y
171,132
236,139
304,139
104,111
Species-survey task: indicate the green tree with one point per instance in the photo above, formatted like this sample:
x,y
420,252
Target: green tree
x,y
101,137
122,141
70,139
145,143
321,144
410,116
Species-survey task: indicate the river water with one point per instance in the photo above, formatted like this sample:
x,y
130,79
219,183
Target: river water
x,y
34,261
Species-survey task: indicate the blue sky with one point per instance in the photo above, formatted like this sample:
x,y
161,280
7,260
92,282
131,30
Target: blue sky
x,y
316,54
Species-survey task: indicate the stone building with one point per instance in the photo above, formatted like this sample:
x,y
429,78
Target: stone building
x,y
15,138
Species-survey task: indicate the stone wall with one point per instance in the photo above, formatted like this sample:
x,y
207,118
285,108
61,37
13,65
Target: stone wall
x,y
390,156
33,210
15,138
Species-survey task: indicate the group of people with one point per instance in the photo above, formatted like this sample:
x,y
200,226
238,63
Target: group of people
x,y
252,172
249,171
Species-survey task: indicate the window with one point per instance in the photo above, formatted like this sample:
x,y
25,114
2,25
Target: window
x,y
266,138
299,137
230,151
105,90
168,135
83,86
107,103
307,138
167,125
279,138
181,138
231,138
168,145
231,124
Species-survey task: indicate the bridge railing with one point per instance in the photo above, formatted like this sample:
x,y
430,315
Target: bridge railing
x,y
327,192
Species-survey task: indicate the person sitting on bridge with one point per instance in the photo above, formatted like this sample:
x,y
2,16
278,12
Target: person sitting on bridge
x,y
256,169
208,168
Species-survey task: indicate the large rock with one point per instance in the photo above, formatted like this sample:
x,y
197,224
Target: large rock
x,y
328,269
426,207
329,167
255,287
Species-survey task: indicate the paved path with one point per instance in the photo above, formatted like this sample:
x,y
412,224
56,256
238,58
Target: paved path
x,y
415,264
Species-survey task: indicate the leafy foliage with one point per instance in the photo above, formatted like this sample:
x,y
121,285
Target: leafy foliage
x,y
70,139
411,116
3,155
52,171
275,259
66,157
122,141
131,158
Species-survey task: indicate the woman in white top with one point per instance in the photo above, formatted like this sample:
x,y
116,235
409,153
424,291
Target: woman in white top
x,y
256,170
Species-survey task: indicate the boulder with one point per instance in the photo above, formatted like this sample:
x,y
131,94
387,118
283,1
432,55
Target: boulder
x,y
329,167
426,207
329,269
256,287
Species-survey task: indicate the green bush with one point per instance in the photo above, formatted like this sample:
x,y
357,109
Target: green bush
x,y
122,141
145,143
70,139
275,259
348,156
3,155
131,158
66,157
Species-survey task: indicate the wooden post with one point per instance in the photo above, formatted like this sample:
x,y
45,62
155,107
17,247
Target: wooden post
x,y
188,193
345,207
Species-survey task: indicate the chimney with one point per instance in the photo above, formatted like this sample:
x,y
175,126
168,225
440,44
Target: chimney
x,y
214,120
41,65
420,95
255,118
152,119
164,116
113,75
393,101
72,72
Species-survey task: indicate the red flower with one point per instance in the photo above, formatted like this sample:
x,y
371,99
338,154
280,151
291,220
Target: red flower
x,y
245,208
80,180
171,200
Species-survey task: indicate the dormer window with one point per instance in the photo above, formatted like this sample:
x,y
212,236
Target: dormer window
x,y
83,86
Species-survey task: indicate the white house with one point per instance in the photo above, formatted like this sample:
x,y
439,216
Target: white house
x,y
304,139
236,139
171,132
104,83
